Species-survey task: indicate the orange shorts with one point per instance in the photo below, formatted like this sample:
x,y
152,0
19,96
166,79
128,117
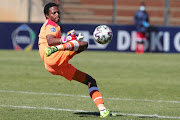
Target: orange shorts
x,y
57,63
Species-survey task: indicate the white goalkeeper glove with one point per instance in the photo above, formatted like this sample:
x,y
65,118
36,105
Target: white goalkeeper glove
x,y
80,37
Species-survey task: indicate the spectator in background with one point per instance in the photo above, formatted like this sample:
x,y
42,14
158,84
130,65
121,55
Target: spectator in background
x,y
141,20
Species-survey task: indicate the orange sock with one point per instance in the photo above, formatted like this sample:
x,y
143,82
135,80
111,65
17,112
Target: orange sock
x,y
96,95
93,91
72,46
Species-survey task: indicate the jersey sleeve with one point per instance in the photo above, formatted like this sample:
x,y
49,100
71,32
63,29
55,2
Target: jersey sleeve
x,y
51,30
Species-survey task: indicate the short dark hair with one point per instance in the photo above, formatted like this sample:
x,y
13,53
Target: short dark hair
x,y
47,6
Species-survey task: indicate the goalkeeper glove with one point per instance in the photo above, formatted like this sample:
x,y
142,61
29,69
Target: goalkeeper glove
x,y
80,37
71,35
51,50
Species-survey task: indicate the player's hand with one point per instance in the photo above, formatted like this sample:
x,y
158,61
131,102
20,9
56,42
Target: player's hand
x,y
51,50
80,37
71,35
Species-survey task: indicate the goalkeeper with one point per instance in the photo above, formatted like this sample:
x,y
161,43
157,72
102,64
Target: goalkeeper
x,y
63,49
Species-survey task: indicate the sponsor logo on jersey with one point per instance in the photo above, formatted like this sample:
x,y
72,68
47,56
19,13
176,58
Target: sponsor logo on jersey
x,y
53,29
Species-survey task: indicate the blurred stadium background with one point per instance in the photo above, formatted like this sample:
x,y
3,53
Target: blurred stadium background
x,y
25,17
162,12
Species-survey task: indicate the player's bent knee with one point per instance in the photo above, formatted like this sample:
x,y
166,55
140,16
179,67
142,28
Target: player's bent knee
x,y
91,81
82,46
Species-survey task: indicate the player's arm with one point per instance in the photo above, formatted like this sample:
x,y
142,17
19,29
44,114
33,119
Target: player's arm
x,y
71,35
51,36
52,40
72,44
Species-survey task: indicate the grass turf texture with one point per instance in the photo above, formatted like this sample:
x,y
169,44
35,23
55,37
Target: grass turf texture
x,y
129,77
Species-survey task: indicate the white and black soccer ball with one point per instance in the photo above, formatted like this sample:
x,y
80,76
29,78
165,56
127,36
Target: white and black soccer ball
x,y
103,34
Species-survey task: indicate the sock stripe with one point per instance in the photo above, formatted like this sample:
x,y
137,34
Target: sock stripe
x,y
92,89
75,44
96,95
97,98
68,46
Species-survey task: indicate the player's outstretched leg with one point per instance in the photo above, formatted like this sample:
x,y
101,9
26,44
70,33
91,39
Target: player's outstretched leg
x,y
93,91
73,45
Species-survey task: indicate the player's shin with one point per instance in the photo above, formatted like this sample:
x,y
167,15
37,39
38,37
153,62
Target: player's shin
x,y
93,89
72,46
97,98
94,93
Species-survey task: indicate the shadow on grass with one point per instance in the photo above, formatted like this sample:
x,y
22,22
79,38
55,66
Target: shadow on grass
x,y
96,114
88,114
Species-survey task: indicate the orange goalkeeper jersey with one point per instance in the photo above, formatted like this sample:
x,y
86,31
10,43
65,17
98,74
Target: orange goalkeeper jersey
x,y
57,58
57,63
49,27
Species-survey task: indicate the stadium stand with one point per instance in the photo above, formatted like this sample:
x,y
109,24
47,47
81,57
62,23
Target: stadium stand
x,y
93,12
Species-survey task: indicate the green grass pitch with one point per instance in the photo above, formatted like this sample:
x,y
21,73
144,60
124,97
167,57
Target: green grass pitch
x,y
136,87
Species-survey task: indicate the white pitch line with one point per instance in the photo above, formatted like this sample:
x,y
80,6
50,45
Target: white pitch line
x,y
150,116
58,94
45,108
57,109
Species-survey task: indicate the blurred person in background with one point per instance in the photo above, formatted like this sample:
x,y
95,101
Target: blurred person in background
x,y
141,20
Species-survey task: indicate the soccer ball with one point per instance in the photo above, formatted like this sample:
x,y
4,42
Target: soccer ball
x,y
103,34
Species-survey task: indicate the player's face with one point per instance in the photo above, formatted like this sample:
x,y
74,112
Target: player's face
x,y
53,14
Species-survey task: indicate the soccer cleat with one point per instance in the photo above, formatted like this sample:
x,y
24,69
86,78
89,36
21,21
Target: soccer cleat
x,y
50,50
104,113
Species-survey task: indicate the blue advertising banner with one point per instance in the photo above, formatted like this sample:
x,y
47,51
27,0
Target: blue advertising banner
x,y
24,36
19,36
